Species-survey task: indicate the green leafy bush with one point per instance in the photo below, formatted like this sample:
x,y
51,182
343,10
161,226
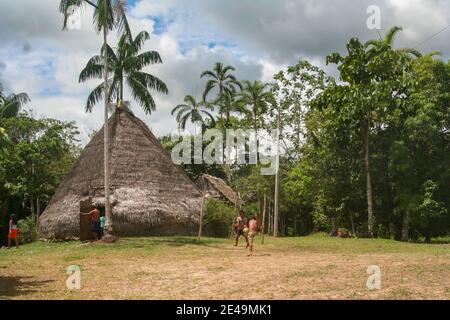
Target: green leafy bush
x,y
27,229
218,218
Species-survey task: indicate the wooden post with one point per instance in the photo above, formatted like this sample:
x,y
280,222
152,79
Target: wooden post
x,y
276,204
263,220
201,212
270,217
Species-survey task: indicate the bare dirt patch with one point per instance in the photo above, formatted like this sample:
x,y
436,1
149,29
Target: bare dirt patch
x,y
216,270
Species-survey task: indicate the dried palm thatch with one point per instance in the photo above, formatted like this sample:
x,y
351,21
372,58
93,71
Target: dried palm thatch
x,y
218,189
150,195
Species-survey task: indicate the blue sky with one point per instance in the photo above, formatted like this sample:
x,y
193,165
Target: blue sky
x,y
258,37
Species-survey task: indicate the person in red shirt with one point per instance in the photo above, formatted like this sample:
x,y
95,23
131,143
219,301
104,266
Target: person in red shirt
x,y
13,231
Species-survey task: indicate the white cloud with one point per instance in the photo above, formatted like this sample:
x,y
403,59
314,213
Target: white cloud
x,y
258,39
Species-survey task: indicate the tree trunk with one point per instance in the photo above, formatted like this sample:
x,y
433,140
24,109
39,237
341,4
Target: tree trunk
x,y
352,222
108,211
38,212
334,231
263,220
370,221
32,206
391,231
120,104
405,227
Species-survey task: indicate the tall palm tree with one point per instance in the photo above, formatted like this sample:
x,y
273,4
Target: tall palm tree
x,y
194,110
10,105
389,39
229,103
222,79
125,65
108,15
257,96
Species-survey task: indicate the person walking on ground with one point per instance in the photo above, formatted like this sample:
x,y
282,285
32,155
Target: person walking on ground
x,y
239,224
252,231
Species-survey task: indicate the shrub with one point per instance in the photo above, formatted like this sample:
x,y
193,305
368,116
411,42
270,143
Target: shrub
x,y
218,218
27,229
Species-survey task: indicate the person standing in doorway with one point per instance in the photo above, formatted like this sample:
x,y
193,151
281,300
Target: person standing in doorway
x,y
95,223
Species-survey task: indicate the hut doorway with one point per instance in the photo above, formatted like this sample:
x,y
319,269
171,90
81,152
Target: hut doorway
x,y
86,206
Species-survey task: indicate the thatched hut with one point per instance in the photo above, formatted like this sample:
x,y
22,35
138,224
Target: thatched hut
x,y
218,189
150,195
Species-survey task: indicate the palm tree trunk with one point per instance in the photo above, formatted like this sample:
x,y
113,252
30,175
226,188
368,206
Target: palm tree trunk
x,y
108,211
370,221
121,92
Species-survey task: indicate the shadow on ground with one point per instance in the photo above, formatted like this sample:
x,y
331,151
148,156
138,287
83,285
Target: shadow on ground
x,y
19,286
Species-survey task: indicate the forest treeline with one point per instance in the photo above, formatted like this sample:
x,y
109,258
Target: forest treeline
x,y
365,153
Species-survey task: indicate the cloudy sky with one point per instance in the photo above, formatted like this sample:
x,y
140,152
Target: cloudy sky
x,y
258,37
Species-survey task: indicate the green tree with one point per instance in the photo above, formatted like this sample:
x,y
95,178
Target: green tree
x,y
257,97
294,90
224,81
125,65
108,15
389,39
374,85
36,159
198,112
10,105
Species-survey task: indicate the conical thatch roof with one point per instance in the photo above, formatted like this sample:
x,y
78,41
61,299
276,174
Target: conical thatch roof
x,y
151,195
219,189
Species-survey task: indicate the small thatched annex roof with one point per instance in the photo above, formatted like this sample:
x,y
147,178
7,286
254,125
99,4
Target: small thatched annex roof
x,y
219,189
150,195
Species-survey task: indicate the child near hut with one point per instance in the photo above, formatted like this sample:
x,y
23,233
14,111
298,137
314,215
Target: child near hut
x,y
102,224
13,231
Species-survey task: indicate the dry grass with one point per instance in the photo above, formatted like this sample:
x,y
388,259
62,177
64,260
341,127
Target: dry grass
x,y
315,267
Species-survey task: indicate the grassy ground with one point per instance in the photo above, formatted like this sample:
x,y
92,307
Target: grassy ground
x,y
314,267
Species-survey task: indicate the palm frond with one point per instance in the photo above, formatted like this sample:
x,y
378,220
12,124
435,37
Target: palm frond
x,y
91,71
150,81
179,108
94,97
182,121
209,86
410,51
141,95
209,74
147,58
390,36
139,40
